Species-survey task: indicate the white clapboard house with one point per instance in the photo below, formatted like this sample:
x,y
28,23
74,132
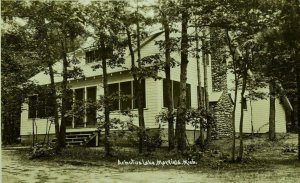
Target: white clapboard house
x,y
80,130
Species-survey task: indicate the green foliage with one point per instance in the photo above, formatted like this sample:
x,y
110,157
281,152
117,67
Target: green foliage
x,y
42,151
195,117
18,64
290,148
152,139
193,153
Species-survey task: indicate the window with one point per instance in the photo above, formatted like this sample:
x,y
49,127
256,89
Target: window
x,y
91,56
45,105
69,105
79,108
176,93
95,55
188,95
202,93
165,89
244,100
113,90
135,103
40,106
79,95
127,91
32,106
79,112
91,111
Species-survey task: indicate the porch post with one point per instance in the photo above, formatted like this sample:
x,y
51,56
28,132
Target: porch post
x,y
85,99
97,140
73,119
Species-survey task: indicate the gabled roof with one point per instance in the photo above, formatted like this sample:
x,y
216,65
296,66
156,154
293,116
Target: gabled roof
x,y
148,47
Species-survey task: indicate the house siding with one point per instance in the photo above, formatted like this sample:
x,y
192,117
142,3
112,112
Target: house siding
x,y
39,128
154,89
153,104
260,110
260,117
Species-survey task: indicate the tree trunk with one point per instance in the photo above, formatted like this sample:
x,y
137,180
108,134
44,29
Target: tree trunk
x,y
64,88
200,97
233,120
241,148
53,98
140,100
106,102
33,134
206,98
181,110
251,116
169,101
140,95
298,107
236,84
272,132
138,88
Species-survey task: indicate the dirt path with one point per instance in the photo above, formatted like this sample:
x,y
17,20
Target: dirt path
x,y
15,169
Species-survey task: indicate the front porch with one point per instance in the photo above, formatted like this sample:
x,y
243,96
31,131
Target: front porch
x,y
70,130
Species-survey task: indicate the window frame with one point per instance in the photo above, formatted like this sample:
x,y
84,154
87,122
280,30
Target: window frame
x,y
35,106
96,55
133,106
245,107
41,107
87,110
189,102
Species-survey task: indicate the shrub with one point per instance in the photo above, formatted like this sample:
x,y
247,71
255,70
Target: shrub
x,y
42,150
153,141
290,148
193,153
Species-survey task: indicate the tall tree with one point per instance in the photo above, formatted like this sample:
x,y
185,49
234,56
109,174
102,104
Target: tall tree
x,y
290,30
200,92
180,133
138,85
272,130
205,60
278,55
69,29
168,13
19,62
46,47
134,23
47,31
104,17
241,22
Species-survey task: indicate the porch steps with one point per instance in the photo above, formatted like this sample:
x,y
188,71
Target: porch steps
x,y
78,138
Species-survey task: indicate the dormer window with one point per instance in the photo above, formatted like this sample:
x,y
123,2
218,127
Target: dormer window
x,y
92,56
95,55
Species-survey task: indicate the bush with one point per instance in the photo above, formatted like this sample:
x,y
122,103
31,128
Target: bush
x,y
193,153
250,148
152,142
290,148
42,150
